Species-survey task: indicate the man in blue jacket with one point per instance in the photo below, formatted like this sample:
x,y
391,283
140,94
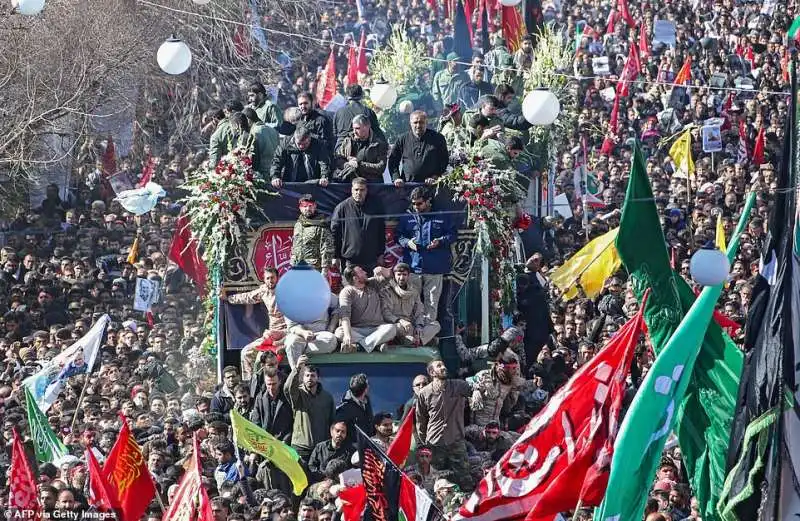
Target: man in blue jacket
x,y
426,238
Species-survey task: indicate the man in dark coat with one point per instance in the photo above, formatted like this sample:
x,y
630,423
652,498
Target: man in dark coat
x,y
361,153
420,155
356,409
273,413
359,236
342,121
301,159
315,121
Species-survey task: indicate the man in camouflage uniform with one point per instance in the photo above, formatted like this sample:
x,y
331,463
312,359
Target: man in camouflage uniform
x,y
496,390
448,82
312,240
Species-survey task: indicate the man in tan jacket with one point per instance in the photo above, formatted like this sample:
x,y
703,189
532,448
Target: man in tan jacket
x,y
401,306
276,329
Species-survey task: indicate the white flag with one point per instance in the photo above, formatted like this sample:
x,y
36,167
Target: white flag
x,y
78,358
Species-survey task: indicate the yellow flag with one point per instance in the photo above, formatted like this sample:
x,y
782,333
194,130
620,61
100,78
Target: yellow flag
x,y
681,153
720,242
590,267
134,253
250,436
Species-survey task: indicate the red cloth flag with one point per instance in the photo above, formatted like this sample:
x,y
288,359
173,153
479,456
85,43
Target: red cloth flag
x,y
100,495
630,72
22,493
182,505
184,253
728,325
326,84
354,499
204,512
564,454
625,12
613,128
785,66
612,20
109,158
126,469
361,60
401,444
512,25
241,42
147,172
685,74
758,148
352,66
469,9
644,46
743,152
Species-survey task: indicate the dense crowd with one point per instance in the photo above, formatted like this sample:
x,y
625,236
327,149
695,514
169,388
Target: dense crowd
x,y
69,260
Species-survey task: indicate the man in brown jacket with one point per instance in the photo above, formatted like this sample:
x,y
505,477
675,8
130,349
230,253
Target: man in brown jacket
x,y
440,422
402,307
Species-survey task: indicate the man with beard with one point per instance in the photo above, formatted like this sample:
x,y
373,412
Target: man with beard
x,y
331,454
489,441
312,241
420,155
315,121
440,422
266,110
359,233
362,320
276,329
496,389
241,400
402,307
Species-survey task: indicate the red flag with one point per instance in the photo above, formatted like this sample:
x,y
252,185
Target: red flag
x,y
469,8
672,259
361,60
109,159
785,66
613,128
22,492
685,74
326,84
728,325
644,46
241,42
147,172
401,444
184,253
99,489
512,25
204,512
563,456
625,12
612,19
750,56
354,501
758,148
188,489
352,66
126,469
630,72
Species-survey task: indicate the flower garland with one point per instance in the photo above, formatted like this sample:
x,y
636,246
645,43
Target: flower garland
x,y
491,196
216,208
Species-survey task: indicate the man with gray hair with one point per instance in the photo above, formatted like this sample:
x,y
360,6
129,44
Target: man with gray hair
x,y
301,159
420,155
362,153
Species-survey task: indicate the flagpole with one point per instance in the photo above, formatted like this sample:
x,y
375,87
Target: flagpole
x,y
78,405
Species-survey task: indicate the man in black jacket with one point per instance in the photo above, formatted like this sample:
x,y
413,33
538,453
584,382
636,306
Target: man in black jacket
x,y
361,153
272,412
315,121
301,159
359,236
420,155
343,119
510,119
356,409
330,457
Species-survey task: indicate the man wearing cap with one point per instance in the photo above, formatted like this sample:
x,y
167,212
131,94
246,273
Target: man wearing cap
x,y
401,306
447,82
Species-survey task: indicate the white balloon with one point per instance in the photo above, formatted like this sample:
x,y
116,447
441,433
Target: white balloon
x,y
541,107
383,95
510,3
28,7
709,267
303,295
174,56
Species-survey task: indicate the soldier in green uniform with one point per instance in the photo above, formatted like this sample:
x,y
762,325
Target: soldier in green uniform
x,y
447,82
268,112
222,139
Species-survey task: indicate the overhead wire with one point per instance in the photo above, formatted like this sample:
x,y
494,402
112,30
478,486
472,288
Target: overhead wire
x,y
330,43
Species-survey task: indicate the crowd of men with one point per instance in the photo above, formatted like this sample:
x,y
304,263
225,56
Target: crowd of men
x,y
67,262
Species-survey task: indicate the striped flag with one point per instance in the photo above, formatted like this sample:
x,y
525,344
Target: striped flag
x,y
743,152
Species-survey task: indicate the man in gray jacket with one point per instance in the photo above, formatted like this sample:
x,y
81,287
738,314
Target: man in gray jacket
x,y
312,405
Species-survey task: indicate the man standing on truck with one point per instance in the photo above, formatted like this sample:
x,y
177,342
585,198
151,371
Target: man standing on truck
x,y
312,406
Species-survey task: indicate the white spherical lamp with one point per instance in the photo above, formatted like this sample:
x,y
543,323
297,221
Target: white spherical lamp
x,y
383,95
28,7
510,3
709,267
303,294
541,107
174,56
405,107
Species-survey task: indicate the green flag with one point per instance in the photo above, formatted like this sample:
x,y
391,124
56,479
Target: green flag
x,y
794,29
250,436
704,417
46,444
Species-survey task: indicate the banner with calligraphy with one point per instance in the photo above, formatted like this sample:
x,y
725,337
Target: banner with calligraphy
x,y
270,244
